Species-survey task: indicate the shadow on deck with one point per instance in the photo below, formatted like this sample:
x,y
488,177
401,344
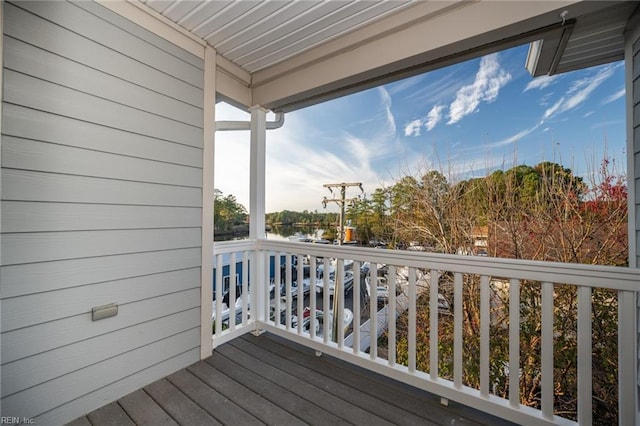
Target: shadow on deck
x,y
267,379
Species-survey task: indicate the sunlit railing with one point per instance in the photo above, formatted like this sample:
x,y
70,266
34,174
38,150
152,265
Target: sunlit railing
x,y
452,297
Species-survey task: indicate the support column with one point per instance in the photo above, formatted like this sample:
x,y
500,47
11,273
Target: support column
x,y
257,173
206,277
258,279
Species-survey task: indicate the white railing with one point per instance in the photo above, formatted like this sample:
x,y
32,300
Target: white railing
x,y
446,281
232,264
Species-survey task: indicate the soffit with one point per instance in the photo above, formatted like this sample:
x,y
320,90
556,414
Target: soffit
x,y
257,34
591,39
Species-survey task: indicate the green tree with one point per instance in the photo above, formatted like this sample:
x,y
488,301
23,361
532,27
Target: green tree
x,y
227,212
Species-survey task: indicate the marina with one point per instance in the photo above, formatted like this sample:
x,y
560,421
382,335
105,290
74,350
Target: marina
x,y
367,301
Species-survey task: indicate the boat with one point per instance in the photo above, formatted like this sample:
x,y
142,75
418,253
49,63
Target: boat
x,y
319,321
382,288
306,281
226,309
347,281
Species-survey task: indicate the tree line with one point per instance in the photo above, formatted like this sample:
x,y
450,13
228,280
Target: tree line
x,y
541,212
231,217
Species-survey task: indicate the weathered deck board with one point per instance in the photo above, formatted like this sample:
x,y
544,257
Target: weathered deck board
x,y
143,410
299,384
178,405
217,405
308,412
352,395
405,398
111,414
249,400
325,377
269,380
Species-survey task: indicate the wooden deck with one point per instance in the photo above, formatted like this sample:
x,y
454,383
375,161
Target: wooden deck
x,y
269,380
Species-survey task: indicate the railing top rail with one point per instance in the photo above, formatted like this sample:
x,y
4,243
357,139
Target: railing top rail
x,y
221,247
597,276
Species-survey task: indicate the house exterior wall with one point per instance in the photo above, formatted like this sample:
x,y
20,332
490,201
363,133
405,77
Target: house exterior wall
x,y
101,202
632,84
633,117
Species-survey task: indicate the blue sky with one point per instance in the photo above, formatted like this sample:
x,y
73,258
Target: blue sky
x,y
465,121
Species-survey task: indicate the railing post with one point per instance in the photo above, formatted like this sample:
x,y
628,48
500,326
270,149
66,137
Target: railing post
x,y
547,350
585,351
433,324
627,359
485,333
258,287
514,343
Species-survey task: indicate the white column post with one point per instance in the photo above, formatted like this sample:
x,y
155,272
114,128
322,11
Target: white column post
x,y
259,282
206,277
257,168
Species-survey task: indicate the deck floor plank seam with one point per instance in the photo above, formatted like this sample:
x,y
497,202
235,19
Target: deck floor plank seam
x,y
263,409
403,395
210,400
319,395
144,410
179,406
283,397
352,393
110,415
377,386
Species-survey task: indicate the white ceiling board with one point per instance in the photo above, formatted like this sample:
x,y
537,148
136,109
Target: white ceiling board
x,y
159,5
259,33
245,23
225,17
317,32
246,35
204,11
180,9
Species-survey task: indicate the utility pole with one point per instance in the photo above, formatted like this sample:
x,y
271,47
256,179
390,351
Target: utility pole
x,y
339,280
342,201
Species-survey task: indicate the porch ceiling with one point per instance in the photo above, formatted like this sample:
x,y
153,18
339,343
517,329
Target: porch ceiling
x,y
257,34
286,54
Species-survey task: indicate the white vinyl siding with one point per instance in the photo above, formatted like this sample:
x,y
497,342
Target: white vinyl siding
x,y
101,202
635,67
633,85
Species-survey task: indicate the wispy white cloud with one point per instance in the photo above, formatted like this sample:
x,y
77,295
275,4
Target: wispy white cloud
x,y
544,99
614,97
579,92
296,170
489,79
512,139
434,116
413,128
405,84
437,89
540,82
386,103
